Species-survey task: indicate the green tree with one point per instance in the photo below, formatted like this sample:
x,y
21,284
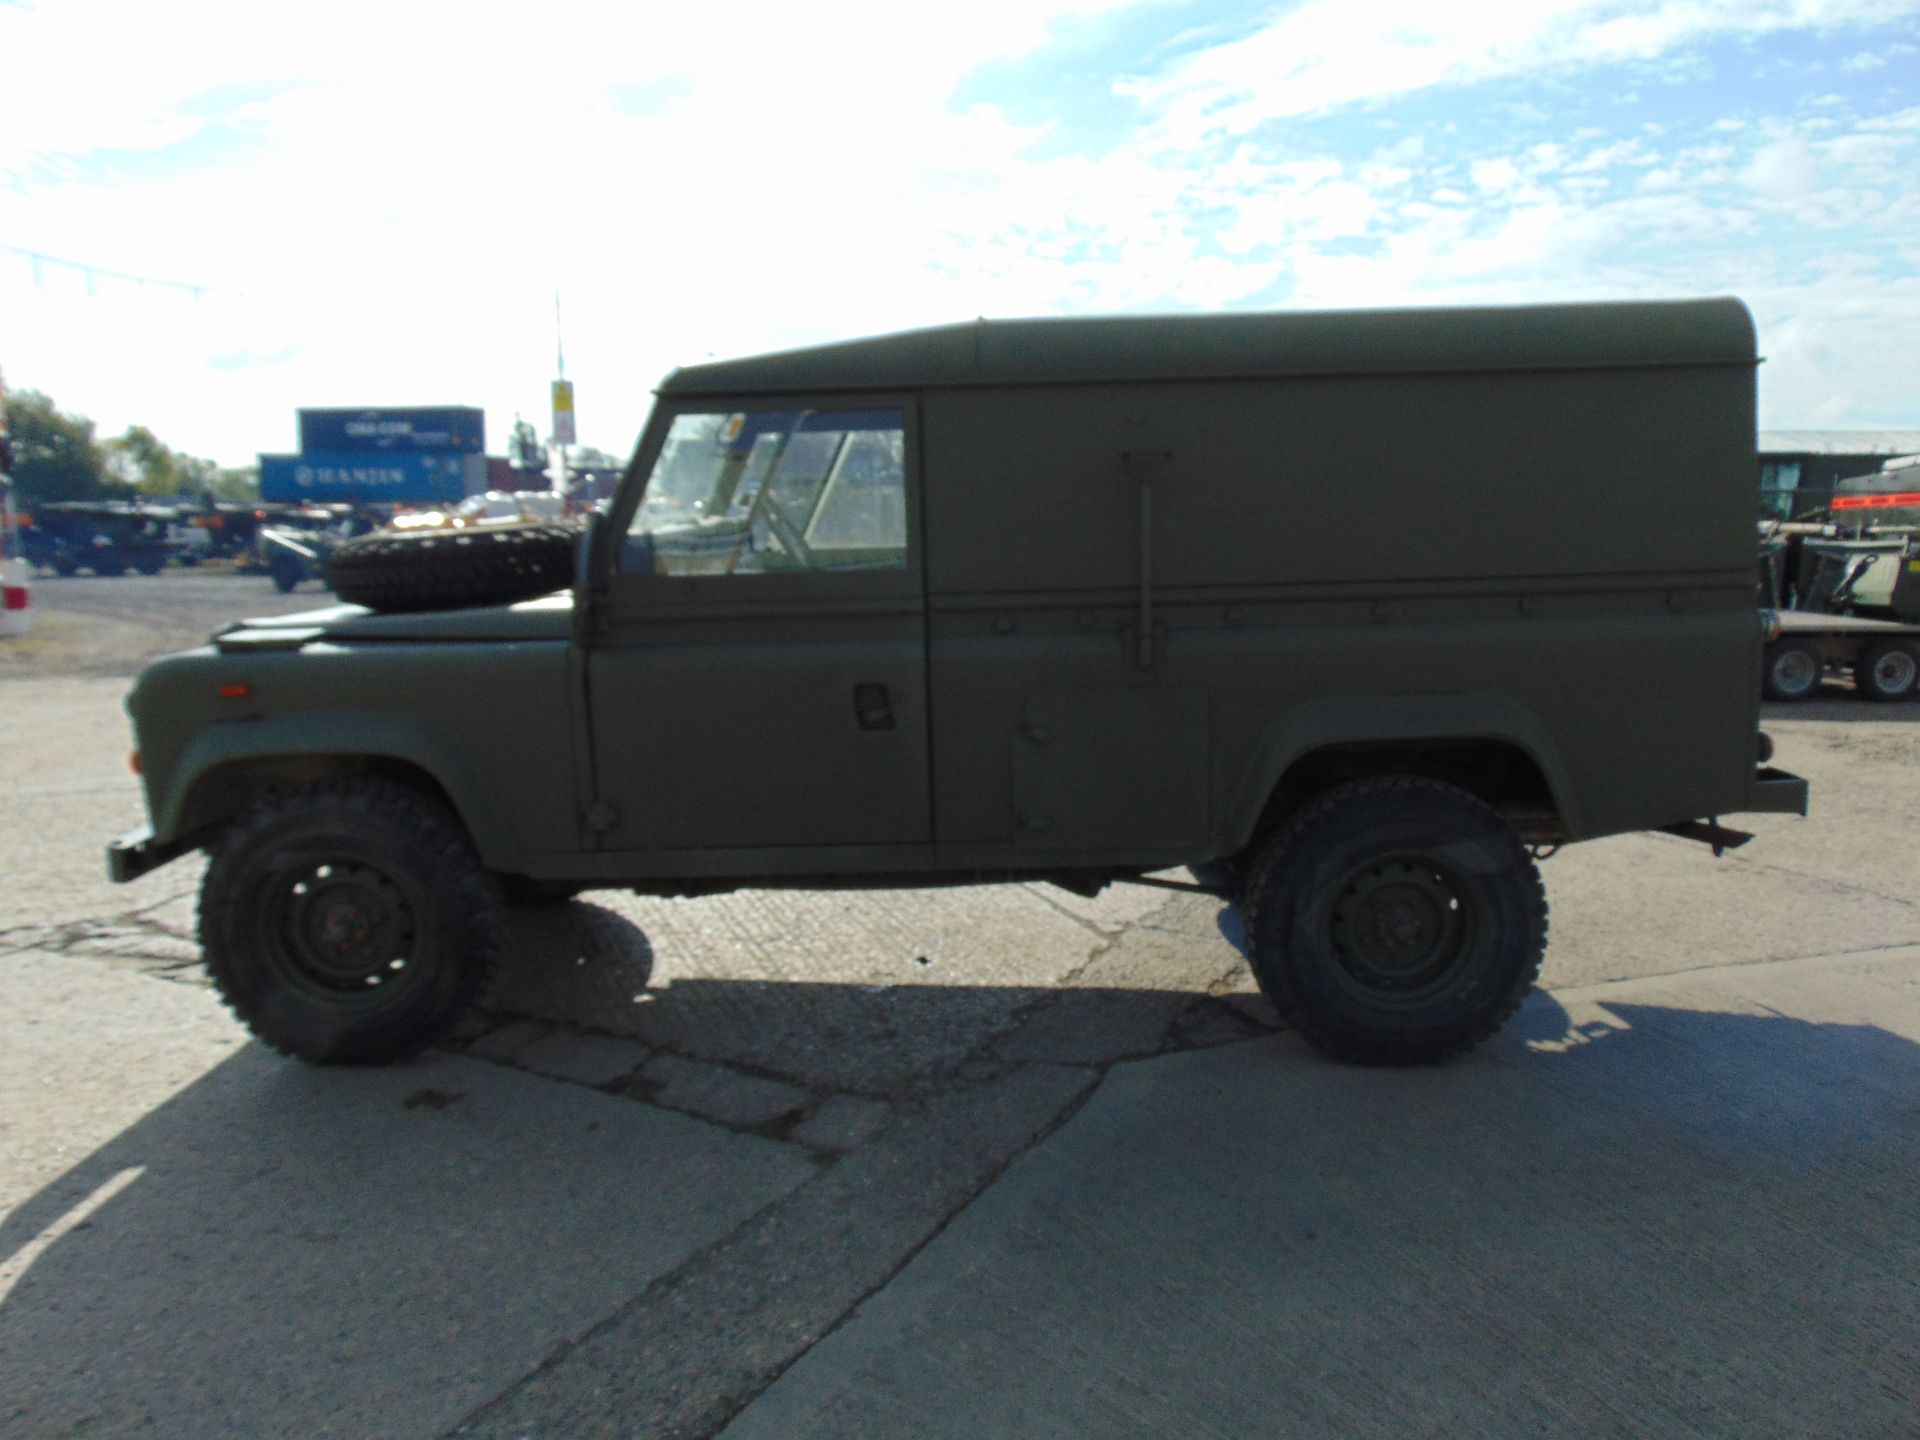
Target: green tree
x,y
238,483
138,459
141,459
55,456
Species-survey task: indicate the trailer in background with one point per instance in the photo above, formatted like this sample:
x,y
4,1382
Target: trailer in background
x,y
1846,592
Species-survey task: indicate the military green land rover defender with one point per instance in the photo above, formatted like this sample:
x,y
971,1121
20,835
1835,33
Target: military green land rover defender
x,y
1352,611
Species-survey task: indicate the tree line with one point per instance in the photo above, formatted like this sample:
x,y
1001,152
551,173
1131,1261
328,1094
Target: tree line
x,y
57,456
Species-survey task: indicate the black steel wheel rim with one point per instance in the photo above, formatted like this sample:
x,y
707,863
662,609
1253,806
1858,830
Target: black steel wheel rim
x,y
1401,929
342,931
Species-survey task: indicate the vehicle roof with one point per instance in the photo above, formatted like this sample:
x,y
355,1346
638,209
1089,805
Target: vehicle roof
x,y
1839,442
1896,478
1245,345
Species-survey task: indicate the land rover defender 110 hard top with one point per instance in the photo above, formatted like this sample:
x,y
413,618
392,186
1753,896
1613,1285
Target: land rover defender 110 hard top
x,y
1350,609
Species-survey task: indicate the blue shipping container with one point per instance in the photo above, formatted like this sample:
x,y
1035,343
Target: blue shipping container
x,y
404,477
383,432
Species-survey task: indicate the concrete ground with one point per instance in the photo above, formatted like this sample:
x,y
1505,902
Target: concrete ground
x,y
986,1162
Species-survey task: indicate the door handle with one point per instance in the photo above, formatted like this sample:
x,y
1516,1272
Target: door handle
x,y
872,707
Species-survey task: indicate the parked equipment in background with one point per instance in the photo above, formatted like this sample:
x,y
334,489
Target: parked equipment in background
x,y
1845,593
298,543
291,556
107,539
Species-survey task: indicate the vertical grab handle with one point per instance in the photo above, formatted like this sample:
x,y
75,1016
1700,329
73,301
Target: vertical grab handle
x,y
1143,466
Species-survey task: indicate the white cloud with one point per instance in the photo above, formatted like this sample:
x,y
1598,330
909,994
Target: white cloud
x,y
412,183
1784,170
386,207
1322,55
1495,176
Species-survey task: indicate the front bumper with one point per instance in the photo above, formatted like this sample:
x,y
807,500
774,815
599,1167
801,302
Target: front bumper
x,y
136,853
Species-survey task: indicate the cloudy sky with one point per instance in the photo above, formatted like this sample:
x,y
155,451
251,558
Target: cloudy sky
x,y
378,201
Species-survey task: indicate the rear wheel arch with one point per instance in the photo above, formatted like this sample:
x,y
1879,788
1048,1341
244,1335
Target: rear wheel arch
x,y
1500,771
1490,745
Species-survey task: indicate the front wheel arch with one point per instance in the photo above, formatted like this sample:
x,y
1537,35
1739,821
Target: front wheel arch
x,y
226,768
223,793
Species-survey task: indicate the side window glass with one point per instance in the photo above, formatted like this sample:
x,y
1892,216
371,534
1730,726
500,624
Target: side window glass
x,y
764,491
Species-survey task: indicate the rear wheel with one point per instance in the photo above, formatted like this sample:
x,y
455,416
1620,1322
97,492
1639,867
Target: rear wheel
x,y
348,921
1395,921
1888,670
1792,670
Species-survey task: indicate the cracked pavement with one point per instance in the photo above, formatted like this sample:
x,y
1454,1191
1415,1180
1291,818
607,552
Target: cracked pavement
x,y
988,1161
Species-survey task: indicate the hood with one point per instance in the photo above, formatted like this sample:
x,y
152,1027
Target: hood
x,y
548,618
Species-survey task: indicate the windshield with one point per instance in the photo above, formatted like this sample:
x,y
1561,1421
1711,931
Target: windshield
x,y
741,492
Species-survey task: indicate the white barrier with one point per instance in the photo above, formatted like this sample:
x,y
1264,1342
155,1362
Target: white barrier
x,y
16,597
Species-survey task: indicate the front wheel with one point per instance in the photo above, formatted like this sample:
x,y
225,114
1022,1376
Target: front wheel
x,y
1395,921
348,921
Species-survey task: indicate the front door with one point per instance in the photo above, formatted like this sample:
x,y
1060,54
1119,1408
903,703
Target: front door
x,y
758,677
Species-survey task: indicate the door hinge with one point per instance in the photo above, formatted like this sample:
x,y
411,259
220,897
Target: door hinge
x,y
600,817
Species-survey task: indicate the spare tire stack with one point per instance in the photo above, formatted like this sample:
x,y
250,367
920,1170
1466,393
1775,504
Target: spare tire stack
x,y
396,570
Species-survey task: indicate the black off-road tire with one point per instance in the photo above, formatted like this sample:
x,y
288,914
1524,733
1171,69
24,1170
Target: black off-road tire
x,y
1791,670
1888,670
348,921
1396,921
446,569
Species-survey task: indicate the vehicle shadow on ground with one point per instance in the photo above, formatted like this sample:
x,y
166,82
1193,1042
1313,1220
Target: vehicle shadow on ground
x,y
282,1249
1838,701
588,971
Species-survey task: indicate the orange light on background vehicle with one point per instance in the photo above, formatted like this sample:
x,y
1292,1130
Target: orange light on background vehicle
x,y
133,761
1875,502
235,692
